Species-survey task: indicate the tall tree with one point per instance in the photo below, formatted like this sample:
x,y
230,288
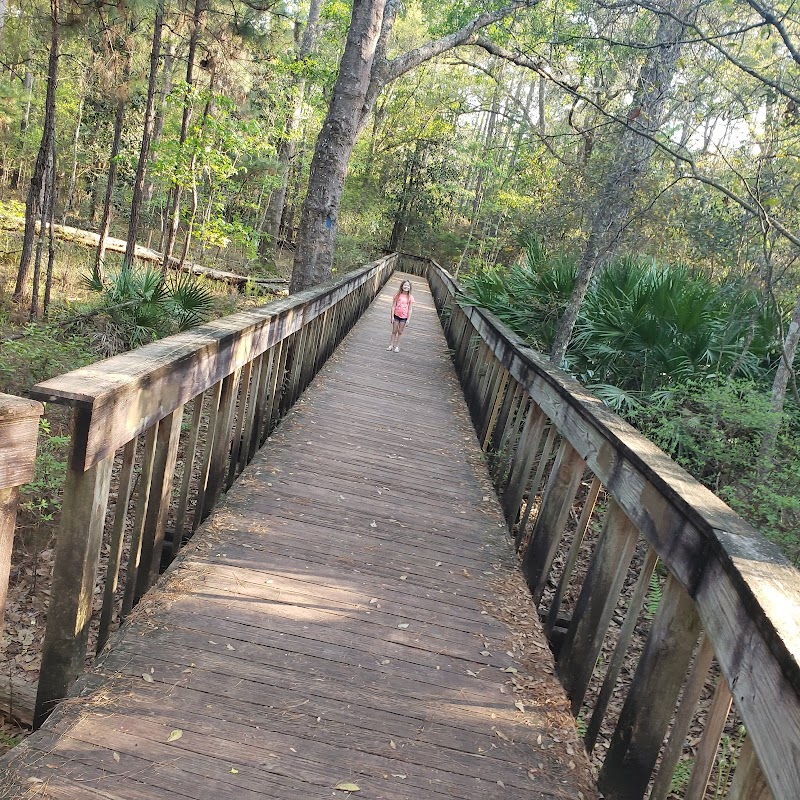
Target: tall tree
x,y
364,70
42,178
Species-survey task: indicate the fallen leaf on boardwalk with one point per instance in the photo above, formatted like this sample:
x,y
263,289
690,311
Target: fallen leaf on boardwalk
x,y
175,735
470,672
512,670
438,563
373,524
229,647
403,625
392,745
115,756
404,577
211,642
234,771
501,784
399,775
147,677
485,653
539,739
373,601
502,736
519,705
347,787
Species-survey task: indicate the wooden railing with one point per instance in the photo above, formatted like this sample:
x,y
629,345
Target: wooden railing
x,y
729,612
198,404
19,425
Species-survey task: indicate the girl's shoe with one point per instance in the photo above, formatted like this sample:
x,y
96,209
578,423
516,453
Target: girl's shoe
x,y
390,347
397,349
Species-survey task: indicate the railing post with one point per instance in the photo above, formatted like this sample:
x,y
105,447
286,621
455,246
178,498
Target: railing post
x,y
645,716
19,425
80,533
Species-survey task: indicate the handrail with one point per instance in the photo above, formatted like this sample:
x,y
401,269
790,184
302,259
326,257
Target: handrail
x,y
231,380
544,431
19,427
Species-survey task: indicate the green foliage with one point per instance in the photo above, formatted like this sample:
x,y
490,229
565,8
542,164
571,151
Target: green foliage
x,y
142,305
41,498
680,777
654,595
714,430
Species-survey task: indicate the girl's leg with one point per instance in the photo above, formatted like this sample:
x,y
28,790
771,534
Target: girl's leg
x,y
395,335
400,327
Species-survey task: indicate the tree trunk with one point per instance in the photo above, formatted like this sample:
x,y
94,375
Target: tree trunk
x,y
163,96
37,189
270,229
363,73
51,249
780,384
27,85
173,218
320,215
47,203
74,172
147,134
614,203
119,121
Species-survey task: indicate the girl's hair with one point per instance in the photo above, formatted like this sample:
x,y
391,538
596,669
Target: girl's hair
x,y
402,283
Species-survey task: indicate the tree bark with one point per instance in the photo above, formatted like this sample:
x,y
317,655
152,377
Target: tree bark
x,y
74,172
119,121
363,72
173,218
614,203
37,189
147,135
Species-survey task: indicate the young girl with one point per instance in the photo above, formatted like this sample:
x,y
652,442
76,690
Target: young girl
x,y
402,305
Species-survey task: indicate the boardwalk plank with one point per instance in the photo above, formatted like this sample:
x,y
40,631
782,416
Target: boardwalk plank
x,y
333,620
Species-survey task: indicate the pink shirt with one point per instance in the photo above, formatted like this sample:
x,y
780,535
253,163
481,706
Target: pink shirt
x,y
402,305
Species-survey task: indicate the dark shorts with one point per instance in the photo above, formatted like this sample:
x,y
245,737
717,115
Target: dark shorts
x,y
403,320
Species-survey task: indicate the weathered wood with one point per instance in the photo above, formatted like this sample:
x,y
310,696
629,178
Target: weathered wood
x,y
19,428
572,556
543,459
749,782
522,462
695,684
139,520
124,490
246,399
256,390
596,603
130,392
621,653
499,436
557,500
189,456
166,456
220,447
650,702
214,397
709,743
80,533
499,391
275,390
9,499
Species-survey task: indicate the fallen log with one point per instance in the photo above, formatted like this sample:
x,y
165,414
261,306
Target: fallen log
x,y
17,699
90,239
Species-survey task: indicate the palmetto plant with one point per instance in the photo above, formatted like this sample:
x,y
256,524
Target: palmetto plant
x,y
643,326
143,305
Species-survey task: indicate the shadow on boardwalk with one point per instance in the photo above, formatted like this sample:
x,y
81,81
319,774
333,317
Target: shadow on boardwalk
x,y
336,621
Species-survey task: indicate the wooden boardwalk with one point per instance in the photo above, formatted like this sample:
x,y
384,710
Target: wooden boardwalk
x,y
339,620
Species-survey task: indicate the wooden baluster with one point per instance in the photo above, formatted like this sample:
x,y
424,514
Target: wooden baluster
x,y
139,520
709,743
650,703
596,603
188,468
214,396
245,392
512,434
620,650
117,539
572,556
749,782
19,427
493,406
485,393
522,462
258,422
222,440
559,495
166,456
275,389
256,389
80,534
509,392
662,785
536,482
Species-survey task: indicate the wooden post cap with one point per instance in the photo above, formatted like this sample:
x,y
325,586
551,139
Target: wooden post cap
x,y
19,429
